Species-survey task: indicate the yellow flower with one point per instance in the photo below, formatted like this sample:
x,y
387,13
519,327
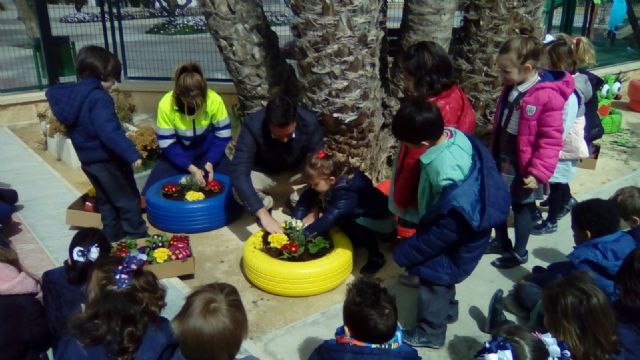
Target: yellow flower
x,y
161,255
194,196
91,192
277,240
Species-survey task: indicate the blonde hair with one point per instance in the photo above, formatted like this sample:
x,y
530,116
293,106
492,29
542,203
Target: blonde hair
x,y
324,164
585,52
190,87
524,48
627,202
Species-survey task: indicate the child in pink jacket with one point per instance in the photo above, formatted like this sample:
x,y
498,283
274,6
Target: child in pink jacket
x,y
527,137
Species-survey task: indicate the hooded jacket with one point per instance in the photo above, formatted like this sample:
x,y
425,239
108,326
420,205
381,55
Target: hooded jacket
x,y
452,237
87,111
331,350
540,128
350,198
456,110
61,298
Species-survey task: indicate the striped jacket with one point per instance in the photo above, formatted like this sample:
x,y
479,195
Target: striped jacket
x,y
183,138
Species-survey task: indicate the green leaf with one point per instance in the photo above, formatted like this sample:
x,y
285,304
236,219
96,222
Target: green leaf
x,y
318,244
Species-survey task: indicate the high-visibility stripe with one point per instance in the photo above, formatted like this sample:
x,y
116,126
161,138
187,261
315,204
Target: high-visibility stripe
x,y
189,132
165,143
223,133
165,131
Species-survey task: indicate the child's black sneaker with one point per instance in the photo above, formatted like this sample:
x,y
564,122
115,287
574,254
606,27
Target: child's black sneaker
x,y
373,265
497,247
537,216
567,209
417,338
545,227
510,260
495,316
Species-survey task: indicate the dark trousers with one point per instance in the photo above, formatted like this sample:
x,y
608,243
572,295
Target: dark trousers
x,y
117,198
559,196
437,305
361,235
523,215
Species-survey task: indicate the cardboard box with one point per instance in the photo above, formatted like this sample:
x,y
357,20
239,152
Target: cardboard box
x,y
172,268
590,162
76,216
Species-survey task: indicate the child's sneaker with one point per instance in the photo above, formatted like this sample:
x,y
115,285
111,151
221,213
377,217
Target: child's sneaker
x,y
545,227
496,247
510,260
373,265
567,208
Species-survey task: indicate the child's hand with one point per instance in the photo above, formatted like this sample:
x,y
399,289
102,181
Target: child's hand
x,y
197,174
268,223
311,217
530,182
137,164
209,168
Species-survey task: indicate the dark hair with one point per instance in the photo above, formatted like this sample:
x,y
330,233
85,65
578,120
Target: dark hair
x,y
78,271
189,86
429,66
627,202
98,62
212,323
281,112
324,164
627,279
525,346
118,318
577,312
369,311
598,216
561,55
524,48
416,121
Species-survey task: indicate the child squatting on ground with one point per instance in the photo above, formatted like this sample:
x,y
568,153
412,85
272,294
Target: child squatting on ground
x,y
627,201
87,111
527,137
339,195
371,329
461,197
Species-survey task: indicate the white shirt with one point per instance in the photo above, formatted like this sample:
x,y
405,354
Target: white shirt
x,y
515,117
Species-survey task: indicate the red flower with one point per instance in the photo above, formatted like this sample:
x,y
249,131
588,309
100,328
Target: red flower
x,y
170,189
214,185
294,247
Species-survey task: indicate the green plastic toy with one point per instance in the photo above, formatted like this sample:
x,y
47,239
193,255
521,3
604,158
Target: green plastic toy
x,y
611,118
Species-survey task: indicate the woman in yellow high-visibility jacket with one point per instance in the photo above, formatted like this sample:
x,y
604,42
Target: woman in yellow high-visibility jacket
x,y
193,128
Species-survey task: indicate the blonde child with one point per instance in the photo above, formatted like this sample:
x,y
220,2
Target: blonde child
x,y
87,111
513,341
342,196
627,201
586,58
527,137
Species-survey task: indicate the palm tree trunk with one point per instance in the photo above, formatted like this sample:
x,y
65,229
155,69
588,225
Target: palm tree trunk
x,y
487,24
339,45
250,51
27,15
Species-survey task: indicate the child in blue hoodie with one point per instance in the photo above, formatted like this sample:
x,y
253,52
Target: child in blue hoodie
x,y
371,329
627,308
64,288
87,111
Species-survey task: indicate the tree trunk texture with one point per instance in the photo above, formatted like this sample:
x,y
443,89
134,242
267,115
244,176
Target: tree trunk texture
x,y
250,50
487,24
338,53
427,20
27,16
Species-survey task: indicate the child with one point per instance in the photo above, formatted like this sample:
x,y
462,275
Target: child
x,y
64,288
527,137
627,202
586,58
211,324
517,342
461,197
627,308
578,313
600,249
87,111
121,318
428,74
24,333
345,197
371,329
560,54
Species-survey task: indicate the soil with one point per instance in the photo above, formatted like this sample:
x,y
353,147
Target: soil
x,y
305,256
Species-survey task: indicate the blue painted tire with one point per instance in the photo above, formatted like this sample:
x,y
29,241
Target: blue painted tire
x,y
188,217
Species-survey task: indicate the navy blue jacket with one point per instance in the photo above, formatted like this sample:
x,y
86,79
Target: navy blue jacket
x,y
451,238
350,198
628,330
257,150
331,350
61,299
24,333
157,337
87,111
593,129
635,233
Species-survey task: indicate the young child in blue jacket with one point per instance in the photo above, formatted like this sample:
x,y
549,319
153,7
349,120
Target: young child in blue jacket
x,y
627,202
371,329
64,288
341,196
87,111
461,197
627,308
121,318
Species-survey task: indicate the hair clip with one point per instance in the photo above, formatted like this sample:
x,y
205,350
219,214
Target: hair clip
x,y
81,254
496,349
123,273
320,154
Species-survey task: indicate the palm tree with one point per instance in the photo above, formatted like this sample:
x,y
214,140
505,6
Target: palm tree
x,y
250,50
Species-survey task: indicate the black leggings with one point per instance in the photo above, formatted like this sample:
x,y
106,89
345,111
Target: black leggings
x,y
523,223
559,196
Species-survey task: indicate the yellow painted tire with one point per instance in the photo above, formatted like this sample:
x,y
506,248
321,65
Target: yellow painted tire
x,y
298,278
